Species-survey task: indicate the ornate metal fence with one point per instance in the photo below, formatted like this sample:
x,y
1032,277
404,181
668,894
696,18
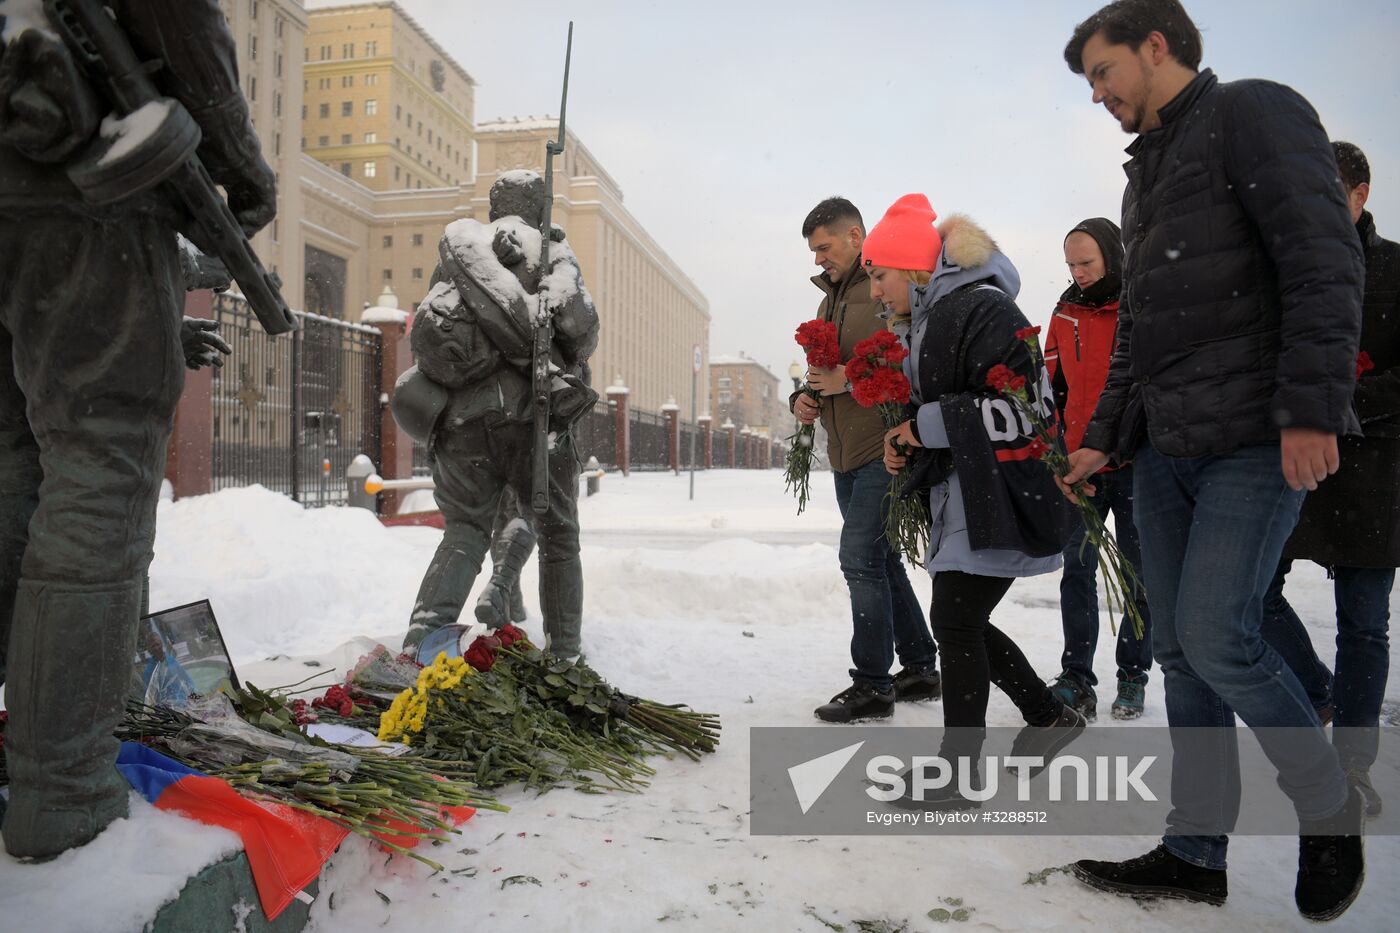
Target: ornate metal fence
x,y
595,435
650,441
291,413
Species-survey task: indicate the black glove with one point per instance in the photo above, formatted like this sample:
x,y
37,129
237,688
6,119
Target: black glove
x,y
202,344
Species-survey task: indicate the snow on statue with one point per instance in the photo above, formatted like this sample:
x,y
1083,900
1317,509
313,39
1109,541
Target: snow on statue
x,y
469,398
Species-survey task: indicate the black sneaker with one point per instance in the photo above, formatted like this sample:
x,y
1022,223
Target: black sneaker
x,y
1361,780
1156,874
1132,694
1045,742
1071,691
856,703
911,686
1331,861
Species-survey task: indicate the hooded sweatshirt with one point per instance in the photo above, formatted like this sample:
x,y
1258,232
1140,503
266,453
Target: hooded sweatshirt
x,y
1079,343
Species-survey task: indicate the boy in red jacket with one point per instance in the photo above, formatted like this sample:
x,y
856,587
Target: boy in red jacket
x,y
1077,351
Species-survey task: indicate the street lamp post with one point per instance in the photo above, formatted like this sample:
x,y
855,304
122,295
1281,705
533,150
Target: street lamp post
x,y
795,374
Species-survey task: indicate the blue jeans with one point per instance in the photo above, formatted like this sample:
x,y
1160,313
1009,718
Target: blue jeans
x,y
1363,655
1212,530
1079,597
885,615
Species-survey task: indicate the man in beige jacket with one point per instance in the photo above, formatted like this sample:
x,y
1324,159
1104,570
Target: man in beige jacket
x,y
886,617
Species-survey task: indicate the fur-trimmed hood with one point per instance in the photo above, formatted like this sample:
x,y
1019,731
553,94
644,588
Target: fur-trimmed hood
x,y
969,255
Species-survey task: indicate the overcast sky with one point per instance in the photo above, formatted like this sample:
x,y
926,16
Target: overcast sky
x,y
724,122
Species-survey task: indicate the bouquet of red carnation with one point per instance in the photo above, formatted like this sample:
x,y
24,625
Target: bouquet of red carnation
x,y
876,372
1121,581
819,341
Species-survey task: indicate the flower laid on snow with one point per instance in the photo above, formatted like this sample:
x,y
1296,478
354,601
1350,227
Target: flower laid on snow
x,y
822,346
876,371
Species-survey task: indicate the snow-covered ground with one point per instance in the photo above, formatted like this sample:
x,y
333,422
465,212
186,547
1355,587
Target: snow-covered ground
x,y
731,603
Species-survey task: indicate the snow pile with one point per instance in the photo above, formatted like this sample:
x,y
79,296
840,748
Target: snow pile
x,y
733,604
116,882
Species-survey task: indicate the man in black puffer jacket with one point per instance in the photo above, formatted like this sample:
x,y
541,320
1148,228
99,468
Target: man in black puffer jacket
x,y
1351,525
1230,382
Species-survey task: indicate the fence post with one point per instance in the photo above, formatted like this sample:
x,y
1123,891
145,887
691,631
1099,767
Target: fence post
x,y
729,440
617,394
395,356
189,460
672,413
707,439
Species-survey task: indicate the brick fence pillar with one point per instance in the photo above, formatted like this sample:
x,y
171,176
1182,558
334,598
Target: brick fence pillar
x,y
189,461
395,447
672,413
729,442
618,395
707,440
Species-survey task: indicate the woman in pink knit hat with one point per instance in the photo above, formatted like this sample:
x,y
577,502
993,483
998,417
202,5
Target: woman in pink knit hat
x,y
951,293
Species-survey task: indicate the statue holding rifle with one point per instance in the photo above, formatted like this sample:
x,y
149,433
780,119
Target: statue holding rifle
x,y
501,345
117,120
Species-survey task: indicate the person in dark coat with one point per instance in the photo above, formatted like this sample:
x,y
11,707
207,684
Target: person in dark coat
x,y
994,513
1230,383
1351,524
90,332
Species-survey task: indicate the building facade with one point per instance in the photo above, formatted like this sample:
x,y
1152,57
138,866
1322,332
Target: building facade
x,y
370,125
747,393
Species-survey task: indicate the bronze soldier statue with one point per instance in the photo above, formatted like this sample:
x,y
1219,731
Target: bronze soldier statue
x,y
90,335
471,391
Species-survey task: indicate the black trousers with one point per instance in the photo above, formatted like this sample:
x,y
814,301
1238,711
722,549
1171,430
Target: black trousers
x,y
976,654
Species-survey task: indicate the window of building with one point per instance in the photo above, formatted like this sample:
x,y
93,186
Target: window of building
x,y
371,80
277,68
277,27
347,50
418,239
345,169
347,108
398,111
430,137
765,390
408,118
345,139
371,169
252,48
277,144
371,137
388,241
323,84
325,53
725,397
371,107
347,80
388,274
323,140
396,173
277,104
371,49
253,9
724,382
325,111
303,111
417,273
252,88
303,142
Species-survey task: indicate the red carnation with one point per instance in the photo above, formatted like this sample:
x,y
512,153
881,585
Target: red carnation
x,y
1363,363
1037,448
818,338
1000,376
1026,333
301,713
480,655
1016,383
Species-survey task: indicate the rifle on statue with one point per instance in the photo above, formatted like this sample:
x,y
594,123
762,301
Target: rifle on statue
x,y
163,151
542,380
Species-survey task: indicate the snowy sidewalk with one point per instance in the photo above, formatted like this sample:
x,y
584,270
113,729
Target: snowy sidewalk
x,y
735,605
